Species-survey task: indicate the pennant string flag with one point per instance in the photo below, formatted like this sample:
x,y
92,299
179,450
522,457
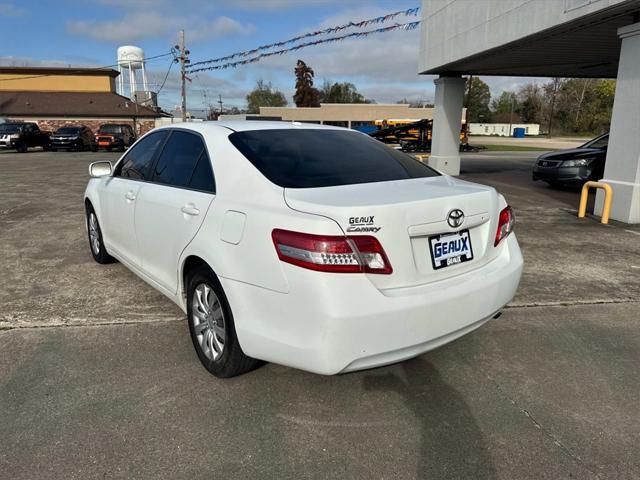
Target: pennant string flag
x,y
364,23
397,26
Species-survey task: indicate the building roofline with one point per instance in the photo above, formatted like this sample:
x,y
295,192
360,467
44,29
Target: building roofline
x,y
82,71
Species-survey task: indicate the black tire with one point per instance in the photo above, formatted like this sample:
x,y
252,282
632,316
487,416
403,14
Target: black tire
x,y
99,253
231,361
46,147
80,146
108,149
94,148
53,149
21,147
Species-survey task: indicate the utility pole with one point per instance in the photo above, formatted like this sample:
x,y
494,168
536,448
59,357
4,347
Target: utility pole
x,y
220,104
513,97
184,61
466,115
556,82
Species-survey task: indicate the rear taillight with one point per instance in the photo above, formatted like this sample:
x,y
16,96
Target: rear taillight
x,y
505,224
332,253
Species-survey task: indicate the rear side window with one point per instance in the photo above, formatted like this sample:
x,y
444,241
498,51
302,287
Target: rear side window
x,y
309,158
137,162
178,159
202,177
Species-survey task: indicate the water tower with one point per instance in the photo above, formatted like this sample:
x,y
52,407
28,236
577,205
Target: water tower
x,y
131,61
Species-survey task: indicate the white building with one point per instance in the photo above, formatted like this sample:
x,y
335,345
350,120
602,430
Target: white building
x,y
503,129
546,38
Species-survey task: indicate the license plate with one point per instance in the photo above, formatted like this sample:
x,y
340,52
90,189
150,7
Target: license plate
x,y
450,249
103,143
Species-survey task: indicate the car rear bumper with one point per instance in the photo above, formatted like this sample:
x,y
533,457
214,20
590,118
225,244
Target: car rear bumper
x,y
333,323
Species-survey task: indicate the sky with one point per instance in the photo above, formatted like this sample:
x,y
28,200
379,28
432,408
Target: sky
x,y
87,33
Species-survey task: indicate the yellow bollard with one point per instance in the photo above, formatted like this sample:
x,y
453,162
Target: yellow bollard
x,y
608,198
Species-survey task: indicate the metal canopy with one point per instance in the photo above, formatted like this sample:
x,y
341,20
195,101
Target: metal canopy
x,y
586,47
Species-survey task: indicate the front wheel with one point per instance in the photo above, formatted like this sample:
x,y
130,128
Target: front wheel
x,y
96,243
212,328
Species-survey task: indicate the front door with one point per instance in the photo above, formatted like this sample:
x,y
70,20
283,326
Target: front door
x,y
119,197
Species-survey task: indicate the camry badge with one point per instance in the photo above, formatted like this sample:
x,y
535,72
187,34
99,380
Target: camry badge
x,y
455,218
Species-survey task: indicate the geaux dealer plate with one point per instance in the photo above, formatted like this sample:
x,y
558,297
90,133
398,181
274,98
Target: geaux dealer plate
x,y
450,249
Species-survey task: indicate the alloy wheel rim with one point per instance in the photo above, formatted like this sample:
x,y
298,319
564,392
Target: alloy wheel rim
x,y
208,321
94,235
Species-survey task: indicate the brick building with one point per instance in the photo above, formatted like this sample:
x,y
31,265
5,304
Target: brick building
x,y
56,97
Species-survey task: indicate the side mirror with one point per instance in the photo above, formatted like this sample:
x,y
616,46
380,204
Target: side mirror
x,y
100,169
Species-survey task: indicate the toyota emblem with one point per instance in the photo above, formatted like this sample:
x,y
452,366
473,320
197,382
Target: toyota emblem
x,y
455,218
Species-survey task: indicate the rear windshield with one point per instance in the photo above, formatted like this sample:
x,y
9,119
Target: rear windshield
x,y
310,158
10,128
67,130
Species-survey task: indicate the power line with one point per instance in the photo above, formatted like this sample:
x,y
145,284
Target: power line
x,y
360,24
77,70
397,26
166,76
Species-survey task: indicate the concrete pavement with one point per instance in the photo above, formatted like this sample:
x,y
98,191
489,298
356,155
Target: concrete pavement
x,y
98,378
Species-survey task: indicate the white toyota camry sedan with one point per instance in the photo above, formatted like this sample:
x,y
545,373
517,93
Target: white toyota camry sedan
x,y
314,247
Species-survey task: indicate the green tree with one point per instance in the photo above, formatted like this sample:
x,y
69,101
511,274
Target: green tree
x,y
531,103
306,95
341,92
504,109
264,95
476,99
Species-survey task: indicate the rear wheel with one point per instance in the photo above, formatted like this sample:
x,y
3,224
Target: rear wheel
x,y
212,328
98,251
21,147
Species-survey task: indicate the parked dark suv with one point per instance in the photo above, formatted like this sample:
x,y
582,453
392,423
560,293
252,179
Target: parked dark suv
x,y
115,136
23,135
573,166
73,138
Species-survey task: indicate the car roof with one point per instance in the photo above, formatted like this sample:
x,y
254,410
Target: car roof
x,y
247,125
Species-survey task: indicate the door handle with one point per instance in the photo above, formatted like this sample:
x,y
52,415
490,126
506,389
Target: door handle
x,y
130,196
190,209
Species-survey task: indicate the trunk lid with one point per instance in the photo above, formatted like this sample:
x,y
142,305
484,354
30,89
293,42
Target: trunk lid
x,y
403,215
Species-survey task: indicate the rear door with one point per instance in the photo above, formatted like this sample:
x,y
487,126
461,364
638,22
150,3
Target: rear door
x,y
119,196
172,207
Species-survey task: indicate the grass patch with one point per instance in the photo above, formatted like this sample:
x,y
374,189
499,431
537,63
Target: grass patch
x,y
512,148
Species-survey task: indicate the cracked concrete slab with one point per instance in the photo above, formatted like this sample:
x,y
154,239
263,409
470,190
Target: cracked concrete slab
x,y
524,397
548,391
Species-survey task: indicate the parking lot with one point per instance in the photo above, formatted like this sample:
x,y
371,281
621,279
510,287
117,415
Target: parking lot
x,y
98,377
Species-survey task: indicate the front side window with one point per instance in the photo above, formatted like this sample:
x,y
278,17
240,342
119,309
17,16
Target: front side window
x,y
309,158
178,159
137,162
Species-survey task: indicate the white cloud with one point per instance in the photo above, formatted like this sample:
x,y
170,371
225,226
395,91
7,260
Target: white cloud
x,y
139,25
289,4
10,10
133,26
